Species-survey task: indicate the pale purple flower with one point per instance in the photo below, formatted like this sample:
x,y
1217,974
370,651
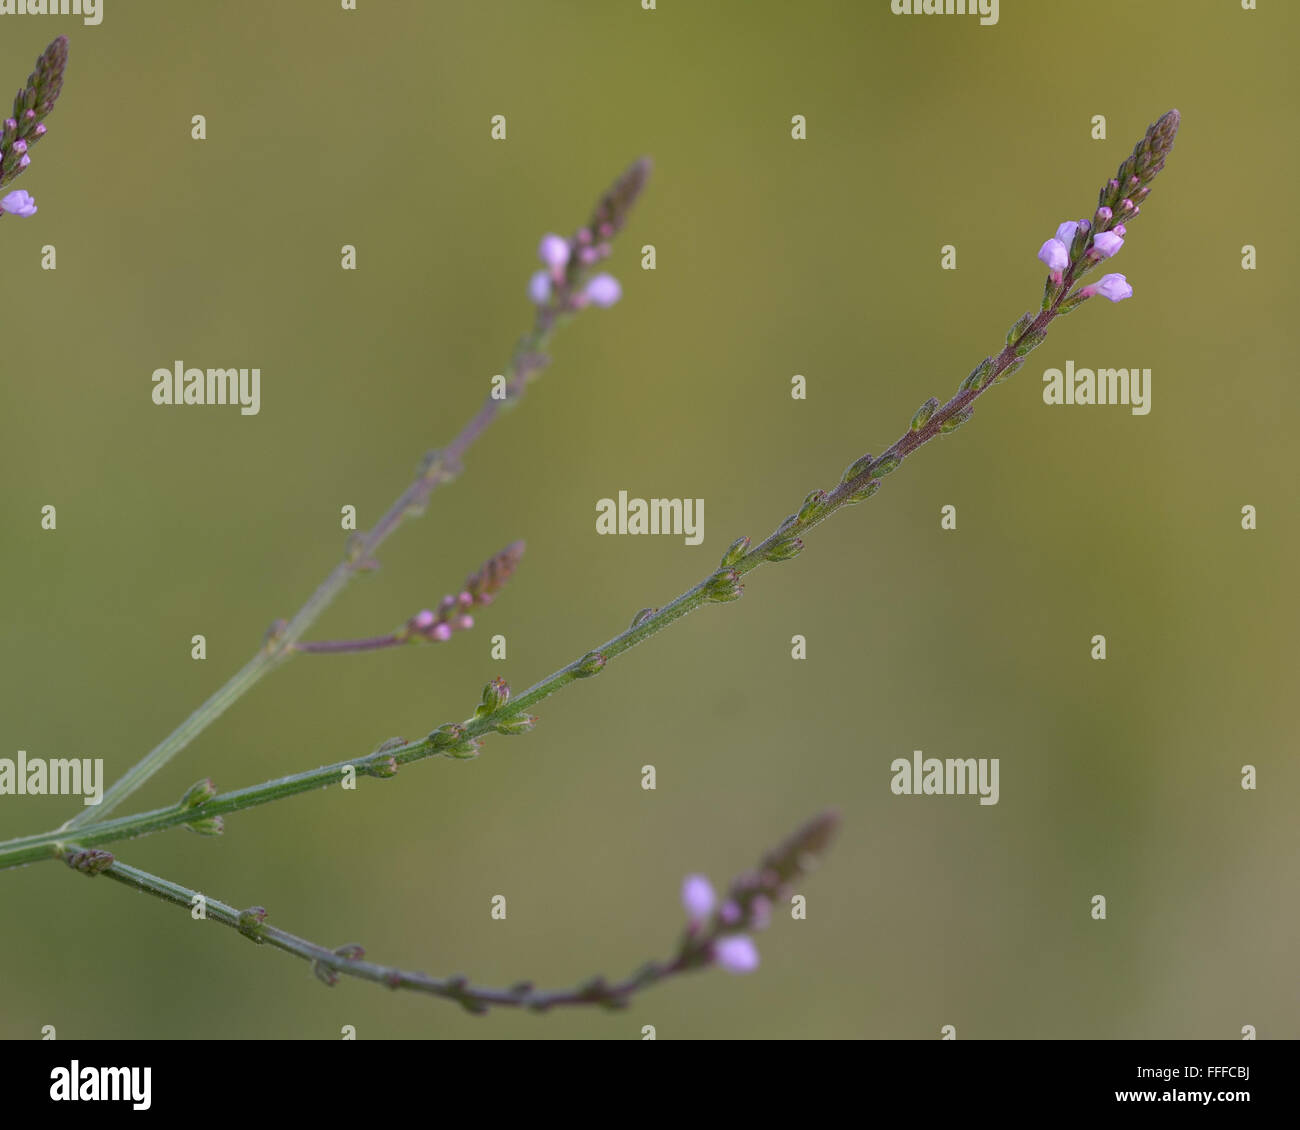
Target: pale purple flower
x,y
1114,287
1107,243
18,203
730,913
554,252
603,290
464,623
736,953
1120,230
20,146
539,288
697,897
441,632
1104,215
1055,254
423,620
1065,233
25,161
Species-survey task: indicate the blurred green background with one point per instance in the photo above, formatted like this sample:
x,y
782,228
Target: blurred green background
x,y
775,257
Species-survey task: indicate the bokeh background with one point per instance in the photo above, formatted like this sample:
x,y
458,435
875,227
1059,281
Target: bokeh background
x,y
774,257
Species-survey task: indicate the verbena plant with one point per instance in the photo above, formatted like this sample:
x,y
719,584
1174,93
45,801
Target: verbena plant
x,y
717,931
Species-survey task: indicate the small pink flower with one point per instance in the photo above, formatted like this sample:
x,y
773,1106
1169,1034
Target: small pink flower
x,y
539,288
441,632
1107,243
554,252
1055,254
1114,287
603,290
18,203
423,620
697,897
736,953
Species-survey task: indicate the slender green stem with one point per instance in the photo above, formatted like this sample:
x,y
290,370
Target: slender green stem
x,y
766,885
564,299
461,739
329,964
439,467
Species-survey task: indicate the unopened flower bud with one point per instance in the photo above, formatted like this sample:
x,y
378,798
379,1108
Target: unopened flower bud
x,y
590,664
785,550
724,586
495,695
735,551
955,421
812,505
199,793
519,724
923,414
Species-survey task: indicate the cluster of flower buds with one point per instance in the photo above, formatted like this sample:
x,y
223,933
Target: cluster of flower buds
x,y
452,613
1079,245
715,932
557,252
564,282
26,125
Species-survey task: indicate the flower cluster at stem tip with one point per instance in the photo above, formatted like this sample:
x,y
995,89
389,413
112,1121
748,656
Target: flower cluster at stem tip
x,y
1055,253
558,255
736,953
